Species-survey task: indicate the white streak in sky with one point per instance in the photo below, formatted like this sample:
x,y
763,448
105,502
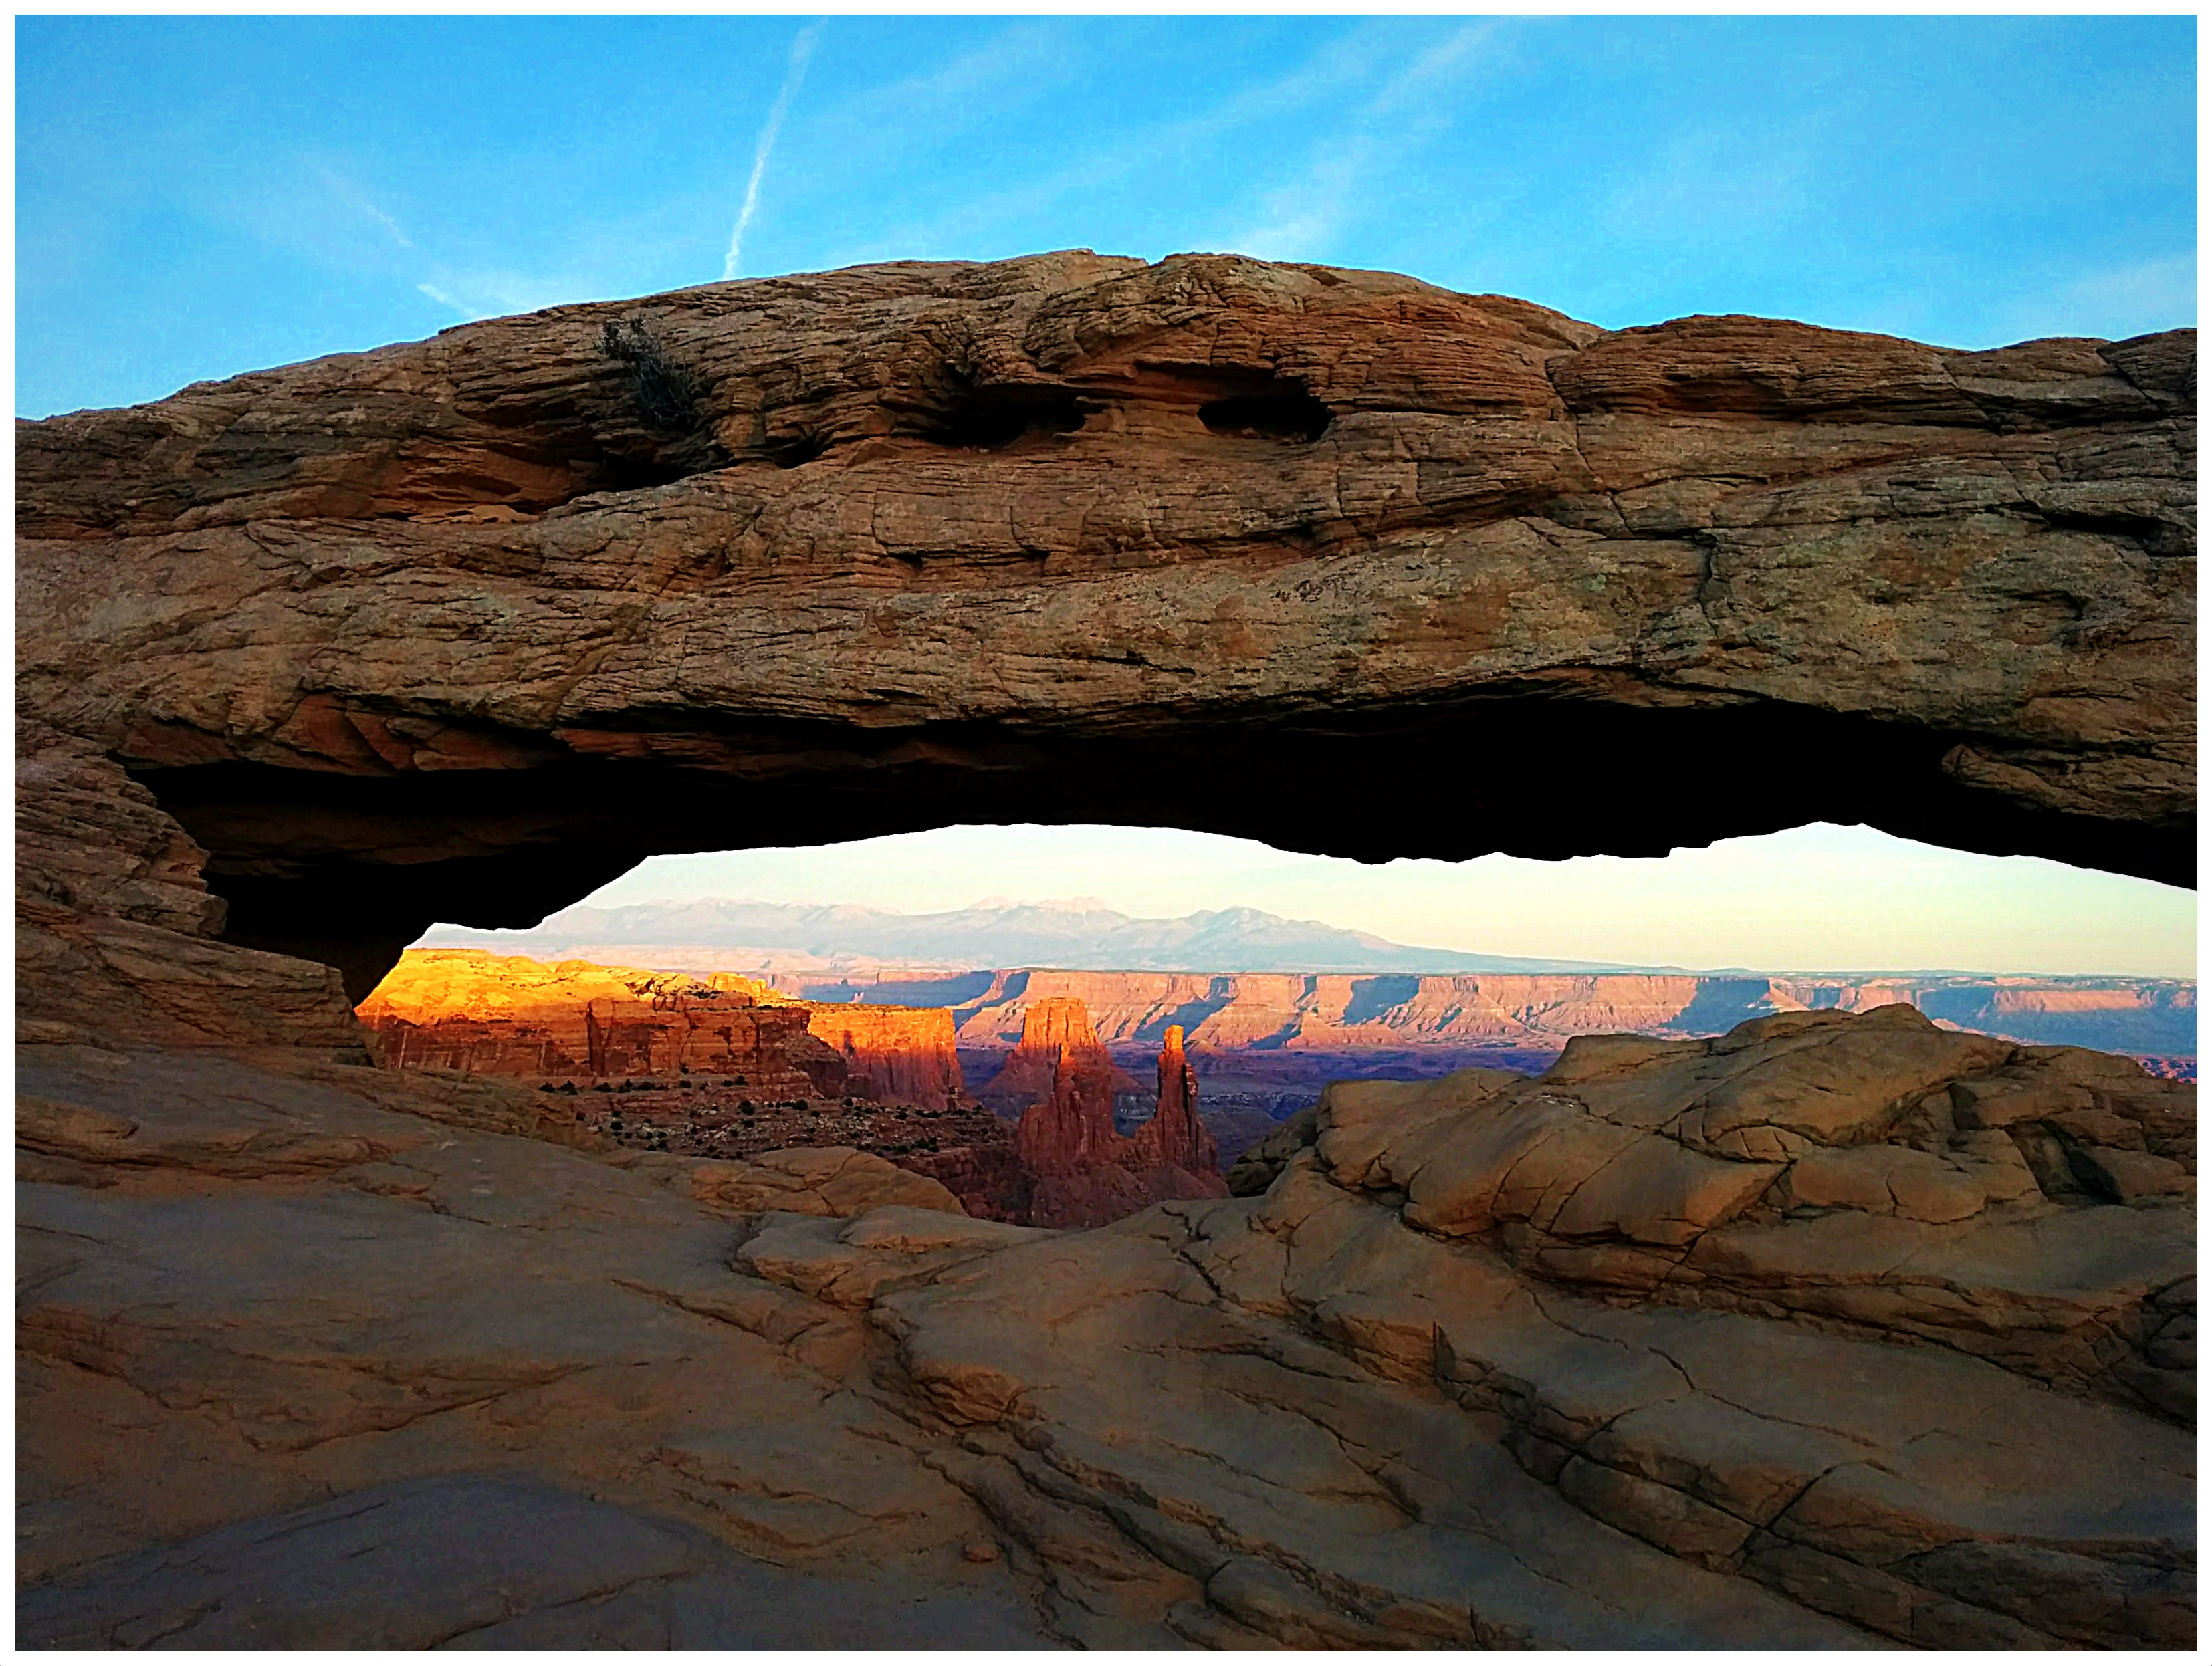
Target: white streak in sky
x,y
388,223
354,194
802,49
444,300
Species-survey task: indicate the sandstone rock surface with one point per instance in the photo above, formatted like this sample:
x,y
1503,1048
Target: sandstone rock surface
x,y
457,629
1328,1013
1085,1173
1835,1331
827,1180
459,1010
1290,1419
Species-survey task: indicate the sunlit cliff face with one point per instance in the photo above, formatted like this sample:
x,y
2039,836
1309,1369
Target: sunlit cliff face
x,y
506,1016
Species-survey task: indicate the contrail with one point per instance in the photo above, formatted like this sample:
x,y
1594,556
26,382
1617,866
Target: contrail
x,y
801,50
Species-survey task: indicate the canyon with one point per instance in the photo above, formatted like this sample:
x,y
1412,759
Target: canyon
x,y
1345,989
1088,1174
728,1068
1839,1329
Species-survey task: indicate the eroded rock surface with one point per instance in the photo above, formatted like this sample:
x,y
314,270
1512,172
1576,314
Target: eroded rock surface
x,y
1446,1382
460,629
459,1010
828,1181
1083,1173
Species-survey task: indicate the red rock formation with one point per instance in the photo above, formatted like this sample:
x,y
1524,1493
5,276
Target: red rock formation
x,y
1073,1127
461,1009
1050,1028
1176,1135
893,1055
1085,1173
1289,1013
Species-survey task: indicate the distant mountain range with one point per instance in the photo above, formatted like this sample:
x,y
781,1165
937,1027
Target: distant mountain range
x,y
1082,936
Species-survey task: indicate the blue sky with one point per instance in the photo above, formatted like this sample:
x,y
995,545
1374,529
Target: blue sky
x,y
201,196
198,196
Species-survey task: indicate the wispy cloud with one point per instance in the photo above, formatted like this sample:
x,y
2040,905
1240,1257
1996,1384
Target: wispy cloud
x,y
468,313
1325,78
1301,219
802,49
358,199
1707,183
1305,217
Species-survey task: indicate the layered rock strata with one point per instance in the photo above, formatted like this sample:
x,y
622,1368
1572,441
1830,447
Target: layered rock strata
x,y
1403,1397
893,1055
1327,1013
2031,1206
1083,1173
458,629
459,1010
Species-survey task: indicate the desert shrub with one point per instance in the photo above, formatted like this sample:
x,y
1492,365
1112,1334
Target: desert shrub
x,y
663,391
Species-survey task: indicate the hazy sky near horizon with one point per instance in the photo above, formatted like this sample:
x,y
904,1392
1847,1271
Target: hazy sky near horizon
x,y
198,196
1815,899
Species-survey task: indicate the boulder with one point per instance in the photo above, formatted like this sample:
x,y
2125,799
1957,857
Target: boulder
x,y
827,1180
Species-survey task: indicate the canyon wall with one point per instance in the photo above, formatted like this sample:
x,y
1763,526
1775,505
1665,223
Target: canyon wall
x,y
893,1055
1271,1011
463,1010
459,1010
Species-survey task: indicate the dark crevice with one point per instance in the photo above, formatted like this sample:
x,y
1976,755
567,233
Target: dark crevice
x,y
2157,537
633,474
1289,417
990,419
794,450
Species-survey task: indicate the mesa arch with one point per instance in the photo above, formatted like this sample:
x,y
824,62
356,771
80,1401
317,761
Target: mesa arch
x,y
461,628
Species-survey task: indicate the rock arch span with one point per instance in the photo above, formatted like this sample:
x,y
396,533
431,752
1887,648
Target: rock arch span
x,y
461,628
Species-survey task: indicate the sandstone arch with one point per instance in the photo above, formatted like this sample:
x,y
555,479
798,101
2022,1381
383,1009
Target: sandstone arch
x,y
1850,1330
461,628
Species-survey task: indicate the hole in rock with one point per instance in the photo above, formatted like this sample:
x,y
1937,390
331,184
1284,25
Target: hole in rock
x,y
348,864
1289,417
795,451
992,419
1281,978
